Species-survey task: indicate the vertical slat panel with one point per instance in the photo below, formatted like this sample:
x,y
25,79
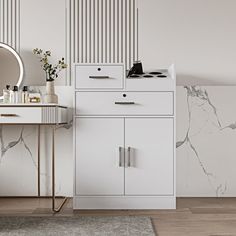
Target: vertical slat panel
x,y
134,30
110,30
74,33
1,21
114,31
118,31
82,29
13,24
70,29
17,28
98,31
104,31
86,31
137,37
126,33
130,34
90,31
122,31
94,31
9,22
106,34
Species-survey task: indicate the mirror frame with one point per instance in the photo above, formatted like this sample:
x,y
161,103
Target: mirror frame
x,y
20,62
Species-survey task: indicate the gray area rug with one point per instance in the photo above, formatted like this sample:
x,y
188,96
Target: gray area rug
x,y
81,226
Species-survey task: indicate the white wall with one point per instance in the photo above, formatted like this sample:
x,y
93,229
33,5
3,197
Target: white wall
x,y
198,35
42,25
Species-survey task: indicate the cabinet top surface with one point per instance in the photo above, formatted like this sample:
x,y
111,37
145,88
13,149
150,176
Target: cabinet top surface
x,y
32,105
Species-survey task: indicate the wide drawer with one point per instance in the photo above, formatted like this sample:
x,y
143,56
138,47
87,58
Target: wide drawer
x,y
99,76
32,115
124,103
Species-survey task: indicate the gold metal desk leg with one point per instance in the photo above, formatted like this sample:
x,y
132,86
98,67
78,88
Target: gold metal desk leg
x,y
39,161
53,176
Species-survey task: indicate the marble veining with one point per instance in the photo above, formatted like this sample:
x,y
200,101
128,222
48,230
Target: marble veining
x,y
19,140
203,118
18,160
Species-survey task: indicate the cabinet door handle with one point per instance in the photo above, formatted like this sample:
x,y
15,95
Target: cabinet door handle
x,y
8,115
99,77
120,156
124,103
129,160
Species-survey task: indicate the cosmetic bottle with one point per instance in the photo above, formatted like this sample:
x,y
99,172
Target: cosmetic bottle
x,y
6,94
25,95
14,95
11,96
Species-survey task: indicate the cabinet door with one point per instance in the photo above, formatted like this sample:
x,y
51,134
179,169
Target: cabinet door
x,y
97,156
151,156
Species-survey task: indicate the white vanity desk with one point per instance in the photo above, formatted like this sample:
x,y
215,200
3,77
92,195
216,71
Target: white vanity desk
x,y
53,115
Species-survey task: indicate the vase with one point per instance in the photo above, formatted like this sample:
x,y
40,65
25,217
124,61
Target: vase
x,y
50,96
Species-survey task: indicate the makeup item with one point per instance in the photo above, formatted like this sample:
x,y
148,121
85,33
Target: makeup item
x,y
25,95
14,95
34,98
6,94
137,69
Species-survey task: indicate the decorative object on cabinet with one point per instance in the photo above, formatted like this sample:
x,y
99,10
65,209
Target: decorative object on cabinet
x,y
51,71
137,69
50,96
35,97
11,67
140,157
52,115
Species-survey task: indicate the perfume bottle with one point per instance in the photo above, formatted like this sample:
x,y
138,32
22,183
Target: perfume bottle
x,y
25,95
6,94
14,95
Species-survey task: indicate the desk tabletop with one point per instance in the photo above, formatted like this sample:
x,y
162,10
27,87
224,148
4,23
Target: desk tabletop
x,y
32,105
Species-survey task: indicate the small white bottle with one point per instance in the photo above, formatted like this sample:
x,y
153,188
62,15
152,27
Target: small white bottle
x,y
14,95
6,94
11,96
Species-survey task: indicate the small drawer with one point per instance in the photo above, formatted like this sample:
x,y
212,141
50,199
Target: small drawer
x,y
125,103
99,76
20,115
33,114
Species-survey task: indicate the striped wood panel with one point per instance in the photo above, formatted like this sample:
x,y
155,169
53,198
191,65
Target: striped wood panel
x,y
9,22
102,31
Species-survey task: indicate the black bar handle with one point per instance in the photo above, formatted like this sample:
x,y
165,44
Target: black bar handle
x,y
124,103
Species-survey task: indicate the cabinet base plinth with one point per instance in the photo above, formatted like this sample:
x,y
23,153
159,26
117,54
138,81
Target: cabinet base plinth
x,y
124,202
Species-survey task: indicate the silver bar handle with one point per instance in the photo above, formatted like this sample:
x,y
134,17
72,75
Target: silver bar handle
x,y
99,77
124,103
8,115
129,161
120,158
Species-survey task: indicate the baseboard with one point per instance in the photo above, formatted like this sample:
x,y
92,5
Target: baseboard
x,y
124,202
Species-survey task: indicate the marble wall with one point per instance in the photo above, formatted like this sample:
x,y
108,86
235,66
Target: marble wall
x,y
206,137
206,150
18,159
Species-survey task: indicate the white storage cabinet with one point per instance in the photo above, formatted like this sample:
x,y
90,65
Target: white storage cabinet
x,y
124,140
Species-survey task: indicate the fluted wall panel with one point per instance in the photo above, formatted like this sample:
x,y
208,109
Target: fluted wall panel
x,y
10,23
103,31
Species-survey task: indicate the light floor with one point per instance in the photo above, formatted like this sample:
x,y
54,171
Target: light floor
x,y
193,217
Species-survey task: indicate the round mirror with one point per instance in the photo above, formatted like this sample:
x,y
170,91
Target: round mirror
x,y
11,67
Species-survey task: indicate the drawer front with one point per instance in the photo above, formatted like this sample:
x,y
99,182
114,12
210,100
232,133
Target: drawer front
x,y
124,103
20,115
99,76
